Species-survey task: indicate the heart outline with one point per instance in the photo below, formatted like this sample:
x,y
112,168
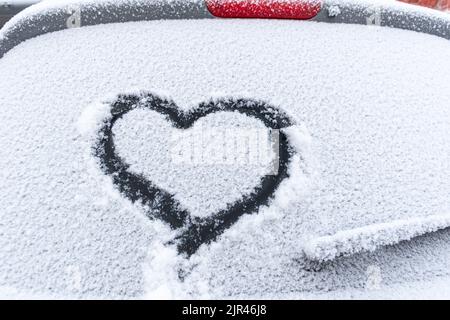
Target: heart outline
x,y
195,231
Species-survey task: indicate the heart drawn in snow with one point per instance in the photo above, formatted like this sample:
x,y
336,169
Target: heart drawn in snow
x,y
193,231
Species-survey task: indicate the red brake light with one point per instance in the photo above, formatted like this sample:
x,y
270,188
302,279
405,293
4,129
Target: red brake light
x,y
269,9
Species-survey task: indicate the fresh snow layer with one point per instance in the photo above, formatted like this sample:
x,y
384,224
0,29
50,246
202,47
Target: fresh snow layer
x,y
371,237
372,126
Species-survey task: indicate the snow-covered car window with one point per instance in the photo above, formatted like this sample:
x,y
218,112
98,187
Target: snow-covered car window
x,y
218,158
